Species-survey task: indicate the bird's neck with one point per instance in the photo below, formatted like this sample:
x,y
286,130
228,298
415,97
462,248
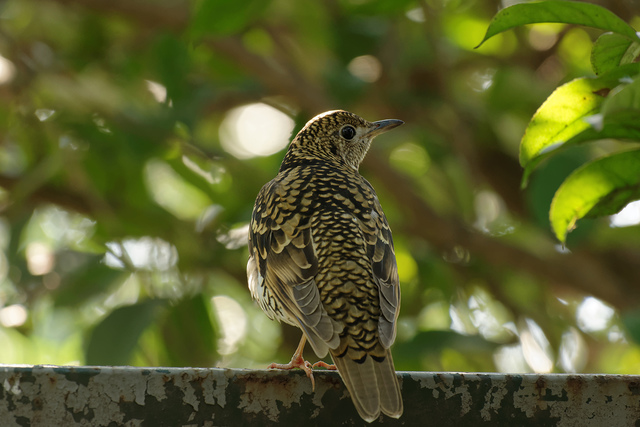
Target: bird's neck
x,y
295,158
290,162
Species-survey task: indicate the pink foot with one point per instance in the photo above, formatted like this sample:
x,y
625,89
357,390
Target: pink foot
x,y
297,361
322,364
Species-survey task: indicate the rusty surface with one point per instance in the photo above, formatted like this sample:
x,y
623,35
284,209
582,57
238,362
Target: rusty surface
x,y
106,396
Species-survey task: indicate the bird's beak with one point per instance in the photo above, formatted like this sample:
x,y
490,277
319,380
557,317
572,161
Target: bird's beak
x,y
382,126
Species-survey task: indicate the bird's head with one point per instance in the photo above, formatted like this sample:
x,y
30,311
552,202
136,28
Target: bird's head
x,y
337,136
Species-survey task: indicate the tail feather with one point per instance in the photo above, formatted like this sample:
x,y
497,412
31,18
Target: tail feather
x,y
357,378
373,386
390,397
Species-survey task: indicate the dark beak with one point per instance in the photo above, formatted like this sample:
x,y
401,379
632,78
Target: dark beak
x,y
382,126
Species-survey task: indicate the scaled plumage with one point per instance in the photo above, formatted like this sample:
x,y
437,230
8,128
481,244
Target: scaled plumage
x,y
321,257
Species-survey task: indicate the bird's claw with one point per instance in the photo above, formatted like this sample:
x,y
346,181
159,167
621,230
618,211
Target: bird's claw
x,y
299,363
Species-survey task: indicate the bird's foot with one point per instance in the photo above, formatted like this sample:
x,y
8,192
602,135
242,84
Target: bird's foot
x,y
297,361
325,365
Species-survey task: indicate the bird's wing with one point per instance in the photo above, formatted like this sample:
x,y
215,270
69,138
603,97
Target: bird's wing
x,y
285,257
382,254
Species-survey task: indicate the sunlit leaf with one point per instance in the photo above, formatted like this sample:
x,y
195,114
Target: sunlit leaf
x,y
562,115
568,12
612,50
113,340
621,126
599,188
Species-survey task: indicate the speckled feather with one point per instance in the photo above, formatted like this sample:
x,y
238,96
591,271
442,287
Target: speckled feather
x,y
322,258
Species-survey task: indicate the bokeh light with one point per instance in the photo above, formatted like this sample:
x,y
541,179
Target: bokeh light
x,y
13,316
40,258
145,253
158,91
44,113
366,67
544,36
509,358
233,323
536,347
255,130
573,351
7,70
593,315
628,216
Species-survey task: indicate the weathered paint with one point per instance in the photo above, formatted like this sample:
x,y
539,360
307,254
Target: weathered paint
x,y
106,396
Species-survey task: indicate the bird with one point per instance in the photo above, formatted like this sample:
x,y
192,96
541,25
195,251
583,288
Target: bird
x,y
321,258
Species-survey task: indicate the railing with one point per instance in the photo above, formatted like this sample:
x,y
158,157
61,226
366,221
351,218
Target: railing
x,y
114,396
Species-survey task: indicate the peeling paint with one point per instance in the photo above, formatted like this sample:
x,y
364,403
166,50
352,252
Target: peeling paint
x,y
155,386
184,382
265,396
493,399
419,378
89,396
12,386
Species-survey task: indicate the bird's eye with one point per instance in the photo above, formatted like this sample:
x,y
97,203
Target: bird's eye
x,y
348,132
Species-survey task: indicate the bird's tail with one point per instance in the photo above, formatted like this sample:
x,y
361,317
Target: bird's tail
x,y
373,386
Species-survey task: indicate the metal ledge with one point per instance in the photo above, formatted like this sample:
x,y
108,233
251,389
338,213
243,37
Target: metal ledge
x,y
115,396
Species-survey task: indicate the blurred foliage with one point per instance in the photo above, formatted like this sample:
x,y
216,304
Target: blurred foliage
x,y
129,164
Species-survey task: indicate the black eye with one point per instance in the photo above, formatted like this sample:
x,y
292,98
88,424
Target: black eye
x,y
348,132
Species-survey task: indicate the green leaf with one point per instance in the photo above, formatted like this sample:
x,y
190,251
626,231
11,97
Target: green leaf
x,y
567,12
624,126
621,126
599,188
189,334
113,340
624,98
613,50
224,17
562,115
550,176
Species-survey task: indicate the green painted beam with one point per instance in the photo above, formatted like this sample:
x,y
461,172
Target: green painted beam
x,y
115,396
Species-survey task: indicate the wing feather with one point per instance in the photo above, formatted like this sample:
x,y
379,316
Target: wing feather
x,y
385,270
288,262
